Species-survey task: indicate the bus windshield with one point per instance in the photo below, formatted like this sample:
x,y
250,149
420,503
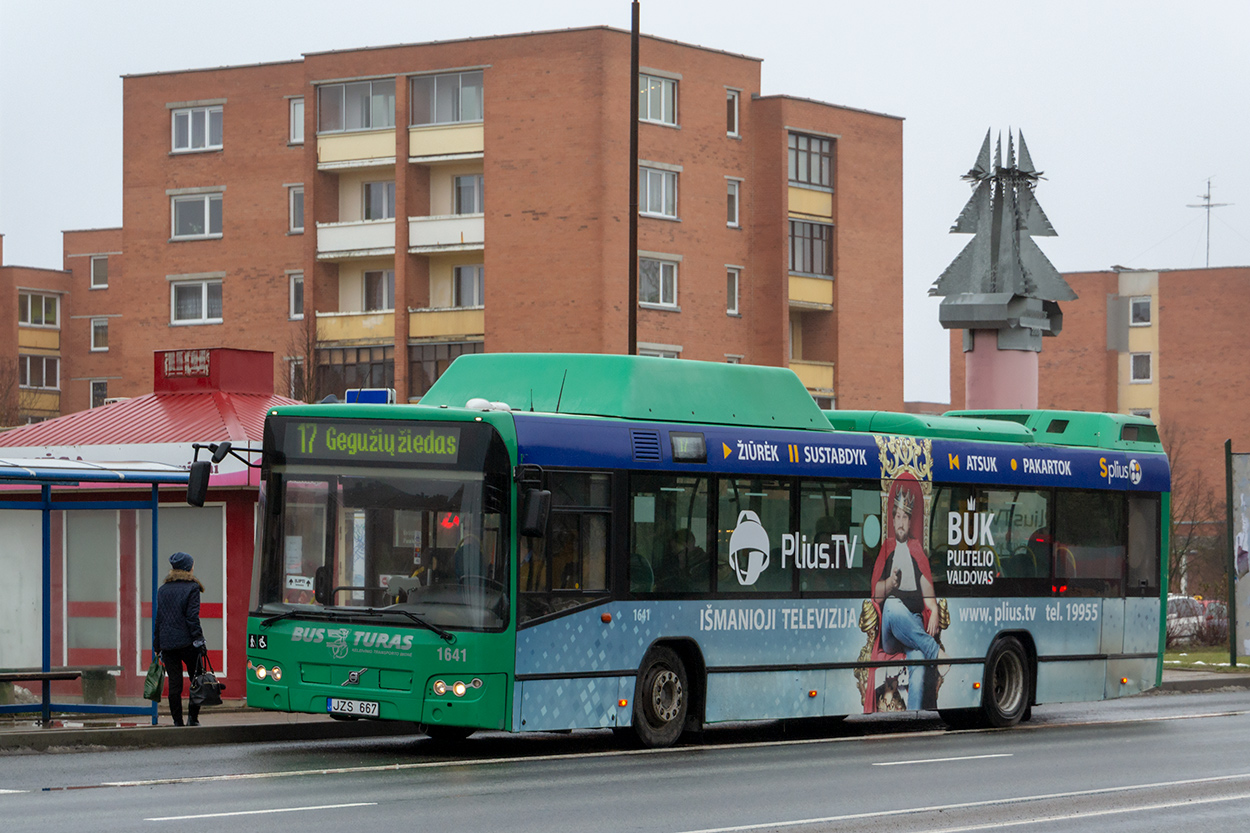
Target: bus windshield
x,y
425,542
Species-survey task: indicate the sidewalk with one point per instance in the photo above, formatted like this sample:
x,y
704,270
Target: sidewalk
x,y
238,723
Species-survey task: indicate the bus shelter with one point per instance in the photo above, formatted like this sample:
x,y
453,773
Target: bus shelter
x,y
116,484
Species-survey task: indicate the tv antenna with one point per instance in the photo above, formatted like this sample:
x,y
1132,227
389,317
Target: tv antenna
x,y
1207,205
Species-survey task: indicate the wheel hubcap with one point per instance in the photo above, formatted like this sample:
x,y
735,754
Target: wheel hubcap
x,y
666,696
1008,689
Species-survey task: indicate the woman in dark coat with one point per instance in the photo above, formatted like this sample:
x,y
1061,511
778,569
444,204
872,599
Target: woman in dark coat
x,y
178,637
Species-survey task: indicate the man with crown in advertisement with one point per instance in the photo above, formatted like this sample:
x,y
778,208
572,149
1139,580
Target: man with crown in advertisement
x,y
902,589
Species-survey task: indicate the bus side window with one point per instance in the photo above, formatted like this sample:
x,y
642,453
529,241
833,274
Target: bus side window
x,y
567,567
669,534
1090,541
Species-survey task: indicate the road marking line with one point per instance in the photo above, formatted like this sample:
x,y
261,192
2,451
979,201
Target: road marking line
x,y
263,812
968,805
945,760
10,792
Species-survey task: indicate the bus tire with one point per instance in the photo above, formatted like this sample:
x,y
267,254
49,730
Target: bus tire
x,y
1005,691
661,698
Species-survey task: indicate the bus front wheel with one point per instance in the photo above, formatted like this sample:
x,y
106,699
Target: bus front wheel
x,y
1005,697
661,698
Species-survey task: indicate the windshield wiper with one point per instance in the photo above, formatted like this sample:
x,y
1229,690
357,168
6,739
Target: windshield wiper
x,y
446,636
287,615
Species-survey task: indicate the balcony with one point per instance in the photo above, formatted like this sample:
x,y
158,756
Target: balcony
x,y
446,233
446,324
359,238
356,150
811,293
38,338
815,376
445,142
356,327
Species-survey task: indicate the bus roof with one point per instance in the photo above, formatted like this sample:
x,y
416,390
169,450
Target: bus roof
x,y
631,387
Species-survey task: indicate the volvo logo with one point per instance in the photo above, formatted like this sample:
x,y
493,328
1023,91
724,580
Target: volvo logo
x,y
353,677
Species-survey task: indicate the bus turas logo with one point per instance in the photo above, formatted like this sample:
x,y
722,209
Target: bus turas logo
x,y
748,548
342,640
1115,470
338,641
353,677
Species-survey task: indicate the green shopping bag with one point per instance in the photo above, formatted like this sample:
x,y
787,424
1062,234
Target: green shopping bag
x,y
155,682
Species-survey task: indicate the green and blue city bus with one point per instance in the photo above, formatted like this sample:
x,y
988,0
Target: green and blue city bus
x,y
555,542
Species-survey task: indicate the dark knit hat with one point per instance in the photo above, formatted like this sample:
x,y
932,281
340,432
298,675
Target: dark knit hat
x,y
181,561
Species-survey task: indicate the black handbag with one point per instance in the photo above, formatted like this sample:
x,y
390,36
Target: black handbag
x,y
205,690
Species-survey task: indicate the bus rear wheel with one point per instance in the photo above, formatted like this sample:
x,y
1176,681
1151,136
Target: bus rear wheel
x,y
1005,694
661,698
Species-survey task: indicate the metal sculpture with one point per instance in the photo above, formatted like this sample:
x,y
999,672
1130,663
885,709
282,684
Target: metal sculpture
x,y
1002,283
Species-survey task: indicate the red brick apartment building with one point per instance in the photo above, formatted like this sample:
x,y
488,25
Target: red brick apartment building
x,y
1165,344
370,214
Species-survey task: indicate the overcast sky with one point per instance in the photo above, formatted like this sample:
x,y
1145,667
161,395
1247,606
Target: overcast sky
x,y
1127,107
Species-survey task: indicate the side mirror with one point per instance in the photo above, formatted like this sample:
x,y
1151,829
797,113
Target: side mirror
x,y
321,586
197,483
534,513
220,451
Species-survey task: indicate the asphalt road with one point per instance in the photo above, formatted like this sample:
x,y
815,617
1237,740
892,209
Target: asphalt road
x,y
1149,763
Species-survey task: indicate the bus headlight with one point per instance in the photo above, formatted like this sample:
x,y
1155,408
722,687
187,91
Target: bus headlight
x,y
276,672
440,687
459,689
261,672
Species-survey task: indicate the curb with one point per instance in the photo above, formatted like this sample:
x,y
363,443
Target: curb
x,y
1183,681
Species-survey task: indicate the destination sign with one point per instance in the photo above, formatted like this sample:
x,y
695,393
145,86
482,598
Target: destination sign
x,y
371,442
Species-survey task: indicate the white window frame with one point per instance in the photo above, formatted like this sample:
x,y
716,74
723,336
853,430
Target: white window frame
x,y
477,295
733,200
189,113
91,383
207,199
660,351
94,283
732,113
295,279
461,114
656,183
24,362
1141,412
478,189
666,291
24,317
204,285
1132,368
733,290
96,324
295,375
1133,304
292,227
296,135
657,94
388,277
388,199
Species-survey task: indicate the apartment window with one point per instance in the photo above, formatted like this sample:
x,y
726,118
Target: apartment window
x,y
358,105
380,291
296,283
99,335
36,310
99,392
732,277
195,302
196,216
468,286
658,353
657,99
379,200
99,272
811,160
295,204
447,99
657,192
468,194
657,282
731,112
296,378
1141,412
1139,312
811,248
297,121
427,362
340,368
197,128
731,203
39,372
1140,367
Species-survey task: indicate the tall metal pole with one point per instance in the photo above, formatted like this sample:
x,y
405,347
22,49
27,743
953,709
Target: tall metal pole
x,y
632,301
1232,552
